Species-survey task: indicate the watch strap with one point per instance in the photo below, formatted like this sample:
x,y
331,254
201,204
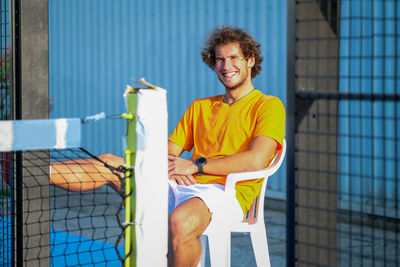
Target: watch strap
x,y
200,169
200,162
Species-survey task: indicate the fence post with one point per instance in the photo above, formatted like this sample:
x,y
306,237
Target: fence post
x,y
29,44
290,131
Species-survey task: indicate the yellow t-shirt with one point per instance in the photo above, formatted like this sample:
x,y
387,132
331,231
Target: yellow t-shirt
x,y
215,129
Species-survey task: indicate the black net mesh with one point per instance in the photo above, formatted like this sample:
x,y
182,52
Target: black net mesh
x,y
53,220
6,234
61,227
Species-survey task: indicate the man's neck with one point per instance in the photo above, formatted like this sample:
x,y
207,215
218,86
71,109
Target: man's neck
x,y
233,95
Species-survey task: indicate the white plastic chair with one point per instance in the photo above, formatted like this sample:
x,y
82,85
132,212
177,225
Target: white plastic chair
x,y
219,235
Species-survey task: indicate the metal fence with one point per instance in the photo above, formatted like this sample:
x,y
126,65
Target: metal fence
x,y
343,185
5,158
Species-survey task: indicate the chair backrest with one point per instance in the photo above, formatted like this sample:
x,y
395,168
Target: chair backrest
x,y
257,207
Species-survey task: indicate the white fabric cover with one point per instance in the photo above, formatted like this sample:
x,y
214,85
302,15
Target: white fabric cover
x,y
151,175
39,134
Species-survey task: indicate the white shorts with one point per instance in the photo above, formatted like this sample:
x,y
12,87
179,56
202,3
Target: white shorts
x,y
213,196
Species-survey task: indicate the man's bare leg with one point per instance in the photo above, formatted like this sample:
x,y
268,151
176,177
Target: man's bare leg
x,y
186,223
81,175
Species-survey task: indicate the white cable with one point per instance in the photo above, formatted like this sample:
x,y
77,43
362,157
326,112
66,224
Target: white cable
x,y
95,117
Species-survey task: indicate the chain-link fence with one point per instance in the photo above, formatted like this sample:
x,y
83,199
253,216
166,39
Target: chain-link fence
x,y
347,114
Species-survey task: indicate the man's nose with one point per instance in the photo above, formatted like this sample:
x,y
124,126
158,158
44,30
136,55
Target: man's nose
x,y
227,63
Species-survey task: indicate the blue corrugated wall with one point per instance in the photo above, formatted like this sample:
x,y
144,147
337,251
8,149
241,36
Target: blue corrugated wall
x,y
98,46
369,131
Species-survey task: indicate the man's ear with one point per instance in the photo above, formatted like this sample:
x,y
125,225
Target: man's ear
x,y
250,62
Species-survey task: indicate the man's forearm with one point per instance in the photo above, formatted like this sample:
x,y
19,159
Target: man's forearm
x,y
240,162
174,149
253,159
258,155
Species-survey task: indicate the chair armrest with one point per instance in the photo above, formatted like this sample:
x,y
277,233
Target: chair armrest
x,y
233,178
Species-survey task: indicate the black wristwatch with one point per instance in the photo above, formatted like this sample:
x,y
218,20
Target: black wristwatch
x,y
200,162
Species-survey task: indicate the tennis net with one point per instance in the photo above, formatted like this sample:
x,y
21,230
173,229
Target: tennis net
x,y
59,227
63,206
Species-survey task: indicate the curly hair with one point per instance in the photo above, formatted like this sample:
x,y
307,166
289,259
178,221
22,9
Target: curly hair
x,y
227,35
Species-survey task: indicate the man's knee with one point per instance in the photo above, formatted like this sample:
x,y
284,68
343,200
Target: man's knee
x,y
178,227
188,220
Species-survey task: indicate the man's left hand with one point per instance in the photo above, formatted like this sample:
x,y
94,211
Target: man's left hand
x,y
180,166
183,179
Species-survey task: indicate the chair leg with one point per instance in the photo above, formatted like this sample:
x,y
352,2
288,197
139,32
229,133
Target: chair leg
x,y
203,242
260,246
220,249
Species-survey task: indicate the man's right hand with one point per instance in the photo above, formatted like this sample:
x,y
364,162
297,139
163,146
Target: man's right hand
x,y
183,179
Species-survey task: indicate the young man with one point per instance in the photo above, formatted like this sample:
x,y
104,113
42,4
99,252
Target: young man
x,y
235,132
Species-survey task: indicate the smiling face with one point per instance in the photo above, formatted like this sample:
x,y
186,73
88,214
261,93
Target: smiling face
x,y
233,70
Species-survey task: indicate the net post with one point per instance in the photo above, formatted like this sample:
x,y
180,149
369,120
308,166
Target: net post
x,y
130,193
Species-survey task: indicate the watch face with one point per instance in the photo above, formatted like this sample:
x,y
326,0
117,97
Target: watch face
x,y
201,160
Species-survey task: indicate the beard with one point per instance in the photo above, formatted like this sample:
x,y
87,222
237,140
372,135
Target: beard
x,y
233,87
240,83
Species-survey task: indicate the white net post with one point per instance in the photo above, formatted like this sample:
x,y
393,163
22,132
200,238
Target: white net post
x,y
151,175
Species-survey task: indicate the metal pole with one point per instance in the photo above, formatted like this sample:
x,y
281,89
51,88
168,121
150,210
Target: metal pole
x,y
30,85
290,131
130,188
17,231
